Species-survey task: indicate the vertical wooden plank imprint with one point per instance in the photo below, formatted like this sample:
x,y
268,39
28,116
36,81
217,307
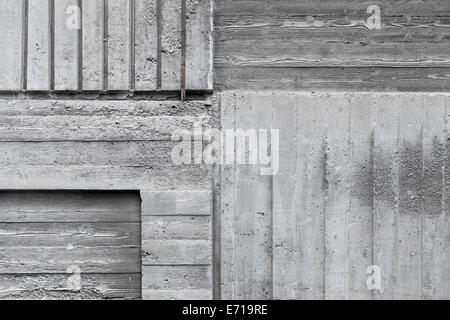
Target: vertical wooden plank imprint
x,y
254,205
118,45
146,44
170,44
199,44
338,201
310,197
11,39
386,175
299,198
287,188
434,227
67,24
410,199
444,287
38,73
92,28
228,200
360,218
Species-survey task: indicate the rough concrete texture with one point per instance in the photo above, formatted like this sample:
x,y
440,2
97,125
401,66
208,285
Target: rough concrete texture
x,y
362,181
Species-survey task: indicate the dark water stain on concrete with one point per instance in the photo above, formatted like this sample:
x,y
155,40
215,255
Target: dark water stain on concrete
x,y
433,179
411,177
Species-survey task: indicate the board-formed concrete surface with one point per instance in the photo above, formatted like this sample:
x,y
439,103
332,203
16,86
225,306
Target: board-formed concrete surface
x,y
363,185
353,204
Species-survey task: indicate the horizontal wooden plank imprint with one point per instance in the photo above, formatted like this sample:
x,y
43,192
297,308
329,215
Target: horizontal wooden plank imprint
x,y
70,245
98,121
177,245
332,45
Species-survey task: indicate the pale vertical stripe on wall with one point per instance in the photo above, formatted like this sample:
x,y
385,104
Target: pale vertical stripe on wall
x,y
38,73
92,51
11,38
66,45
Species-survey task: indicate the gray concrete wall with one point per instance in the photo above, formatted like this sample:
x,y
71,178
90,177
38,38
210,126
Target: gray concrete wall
x,y
362,179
